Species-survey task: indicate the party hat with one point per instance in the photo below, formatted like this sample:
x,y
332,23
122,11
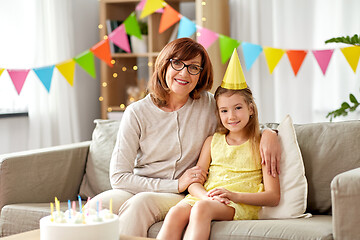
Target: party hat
x,y
234,77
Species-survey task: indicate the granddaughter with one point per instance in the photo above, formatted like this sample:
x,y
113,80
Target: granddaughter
x,y
237,185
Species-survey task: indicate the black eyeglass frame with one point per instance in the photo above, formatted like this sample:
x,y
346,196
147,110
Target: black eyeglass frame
x,y
185,65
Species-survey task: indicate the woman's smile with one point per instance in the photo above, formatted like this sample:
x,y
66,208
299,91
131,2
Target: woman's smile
x,y
181,81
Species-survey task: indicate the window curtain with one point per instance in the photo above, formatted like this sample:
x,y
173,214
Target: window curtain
x,y
298,25
42,35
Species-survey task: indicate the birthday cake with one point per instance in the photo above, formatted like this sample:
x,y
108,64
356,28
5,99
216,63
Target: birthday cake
x,y
89,224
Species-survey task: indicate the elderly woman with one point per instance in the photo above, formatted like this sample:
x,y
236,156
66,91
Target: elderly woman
x,y
160,139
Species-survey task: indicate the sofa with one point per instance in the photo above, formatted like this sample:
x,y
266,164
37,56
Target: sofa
x,y
30,180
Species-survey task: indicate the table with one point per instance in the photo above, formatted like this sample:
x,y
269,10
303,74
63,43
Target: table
x,y
35,235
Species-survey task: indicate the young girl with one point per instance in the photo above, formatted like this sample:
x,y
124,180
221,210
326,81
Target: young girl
x,y
237,184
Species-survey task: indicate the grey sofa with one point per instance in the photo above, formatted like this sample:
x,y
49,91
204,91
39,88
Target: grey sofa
x,y
331,153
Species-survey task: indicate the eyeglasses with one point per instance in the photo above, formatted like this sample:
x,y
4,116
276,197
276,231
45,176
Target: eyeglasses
x,y
178,65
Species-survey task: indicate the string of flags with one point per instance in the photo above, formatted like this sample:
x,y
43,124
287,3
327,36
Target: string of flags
x,y
187,28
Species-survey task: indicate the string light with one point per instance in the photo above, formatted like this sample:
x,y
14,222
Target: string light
x,y
100,26
105,37
203,19
109,109
115,75
135,67
198,34
150,64
123,69
203,3
101,99
104,84
122,106
112,61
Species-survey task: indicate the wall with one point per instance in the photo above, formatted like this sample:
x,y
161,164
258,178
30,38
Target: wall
x,y
14,131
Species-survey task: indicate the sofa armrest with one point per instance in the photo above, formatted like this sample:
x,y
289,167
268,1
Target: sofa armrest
x,y
345,197
37,176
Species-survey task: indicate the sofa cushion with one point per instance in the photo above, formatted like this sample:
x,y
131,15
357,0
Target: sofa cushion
x,y
96,178
317,227
327,149
22,217
293,184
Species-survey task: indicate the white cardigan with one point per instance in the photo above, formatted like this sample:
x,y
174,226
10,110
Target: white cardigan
x,y
154,147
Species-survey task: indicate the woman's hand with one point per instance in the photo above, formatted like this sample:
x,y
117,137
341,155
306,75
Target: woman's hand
x,y
192,175
270,151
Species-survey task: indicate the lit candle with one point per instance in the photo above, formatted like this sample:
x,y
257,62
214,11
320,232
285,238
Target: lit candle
x,y
80,205
57,205
52,211
69,207
74,207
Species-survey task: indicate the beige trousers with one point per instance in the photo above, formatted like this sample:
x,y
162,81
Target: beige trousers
x,y
137,212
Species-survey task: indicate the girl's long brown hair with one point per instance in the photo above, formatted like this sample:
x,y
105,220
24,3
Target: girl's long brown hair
x,y
252,128
182,49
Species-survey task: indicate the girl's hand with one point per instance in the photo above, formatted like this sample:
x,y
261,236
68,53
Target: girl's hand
x,y
221,192
221,200
192,175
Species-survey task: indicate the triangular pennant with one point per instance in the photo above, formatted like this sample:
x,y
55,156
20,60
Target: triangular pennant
x,y
234,76
141,5
168,18
18,78
296,58
151,6
1,70
273,56
45,75
132,26
251,53
67,69
102,51
186,28
323,58
227,46
352,55
206,37
119,37
86,61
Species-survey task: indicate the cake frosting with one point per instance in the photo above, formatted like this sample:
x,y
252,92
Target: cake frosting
x,y
89,225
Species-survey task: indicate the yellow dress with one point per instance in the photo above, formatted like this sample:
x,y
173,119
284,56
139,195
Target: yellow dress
x,y
236,169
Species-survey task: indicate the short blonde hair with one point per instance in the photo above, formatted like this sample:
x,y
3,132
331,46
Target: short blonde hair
x,y
183,49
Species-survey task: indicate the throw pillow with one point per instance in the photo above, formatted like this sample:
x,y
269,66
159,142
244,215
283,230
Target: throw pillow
x,y
293,184
96,178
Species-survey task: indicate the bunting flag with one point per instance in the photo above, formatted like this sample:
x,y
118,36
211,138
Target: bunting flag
x,y
141,5
168,18
206,37
18,78
45,75
86,61
251,53
102,51
119,37
296,58
186,28
132,26
227,46
352,55
323,58
67,69
273,56
151,6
